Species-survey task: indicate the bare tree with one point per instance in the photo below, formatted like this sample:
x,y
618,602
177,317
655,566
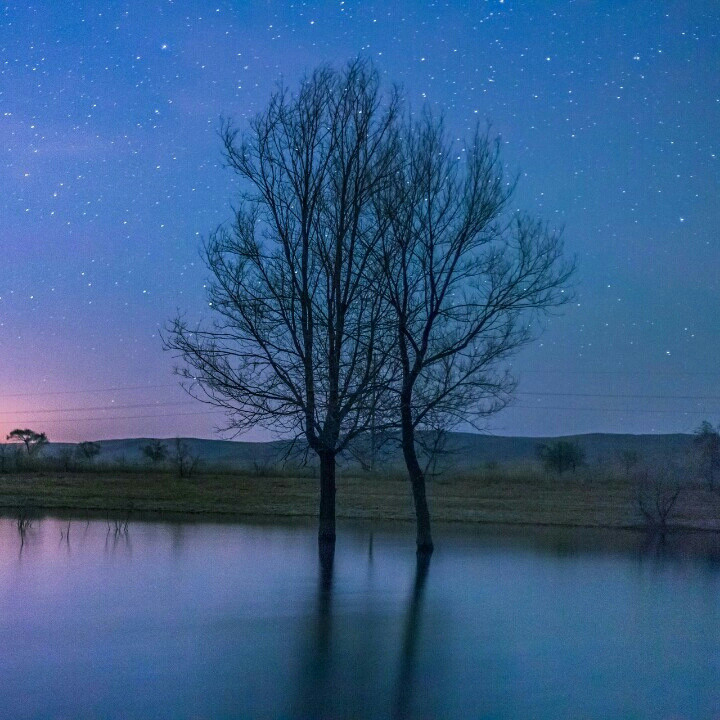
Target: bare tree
x,y
32,440
185,461
656,496
465,279
298,345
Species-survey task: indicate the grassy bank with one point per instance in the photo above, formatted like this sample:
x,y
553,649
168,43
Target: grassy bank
x,y
527,497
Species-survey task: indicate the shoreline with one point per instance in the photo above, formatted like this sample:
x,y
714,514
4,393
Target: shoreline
x,y
480,500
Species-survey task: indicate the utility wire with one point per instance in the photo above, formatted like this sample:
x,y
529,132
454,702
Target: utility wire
x,y
87,392
608,396
120,417
520,407
619,396
618,410
97,407
123,388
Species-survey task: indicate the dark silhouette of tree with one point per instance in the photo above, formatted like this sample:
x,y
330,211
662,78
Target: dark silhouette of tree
x,y
32,440
561,455
465,279
299,344
184,460
707,444
88,450
656,497
155,451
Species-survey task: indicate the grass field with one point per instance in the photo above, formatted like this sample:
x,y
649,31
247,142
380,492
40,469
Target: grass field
x,y
490,496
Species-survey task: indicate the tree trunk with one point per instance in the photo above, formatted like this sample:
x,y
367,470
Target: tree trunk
x,y
326,530
417,481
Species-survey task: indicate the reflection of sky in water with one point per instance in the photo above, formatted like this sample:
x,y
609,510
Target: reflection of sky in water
x,y
227,620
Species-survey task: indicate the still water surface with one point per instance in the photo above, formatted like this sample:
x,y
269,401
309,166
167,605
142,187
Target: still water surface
x,y
227,621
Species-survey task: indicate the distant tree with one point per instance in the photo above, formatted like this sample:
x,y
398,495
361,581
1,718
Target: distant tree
x,y
184,460
33,441
707,445
88,450
561,455
155,451
4,456
629,459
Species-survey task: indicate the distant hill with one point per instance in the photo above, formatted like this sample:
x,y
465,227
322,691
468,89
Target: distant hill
x,y
464,450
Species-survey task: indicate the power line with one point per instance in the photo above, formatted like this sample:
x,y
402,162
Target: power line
x,y
659,373
526,393
123,388
121,417
618,410
87,392
619,396
212,412
97,407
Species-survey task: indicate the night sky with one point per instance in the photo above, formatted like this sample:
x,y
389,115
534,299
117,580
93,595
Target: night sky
x,y
111,172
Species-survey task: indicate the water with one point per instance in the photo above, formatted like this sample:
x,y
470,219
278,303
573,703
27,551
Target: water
x,y
228,621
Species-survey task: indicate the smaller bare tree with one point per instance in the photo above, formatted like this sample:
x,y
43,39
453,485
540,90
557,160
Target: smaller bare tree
x,y
184,460
465,279
656,497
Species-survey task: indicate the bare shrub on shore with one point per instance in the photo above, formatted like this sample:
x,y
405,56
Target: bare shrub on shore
x,y
656,496
184,460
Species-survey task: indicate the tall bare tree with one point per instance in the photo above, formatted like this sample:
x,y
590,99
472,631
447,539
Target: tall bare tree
x,y
299,344
464,278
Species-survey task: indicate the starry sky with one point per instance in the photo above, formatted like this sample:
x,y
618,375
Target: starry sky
x,y
111,173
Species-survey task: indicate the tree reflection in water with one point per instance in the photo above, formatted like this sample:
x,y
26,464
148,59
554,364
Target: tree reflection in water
x,y
345,663
405,684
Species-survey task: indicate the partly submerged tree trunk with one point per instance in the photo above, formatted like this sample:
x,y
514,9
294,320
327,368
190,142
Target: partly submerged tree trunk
x,y
417,481
326,530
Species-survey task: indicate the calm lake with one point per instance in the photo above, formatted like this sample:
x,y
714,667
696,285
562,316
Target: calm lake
x,y
166,620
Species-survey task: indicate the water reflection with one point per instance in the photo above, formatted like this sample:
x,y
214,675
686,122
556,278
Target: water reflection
x,y
405,684
314,691
229,621
342,647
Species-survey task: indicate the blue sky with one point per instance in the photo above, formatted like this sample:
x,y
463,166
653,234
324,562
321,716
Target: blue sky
x,y
111,172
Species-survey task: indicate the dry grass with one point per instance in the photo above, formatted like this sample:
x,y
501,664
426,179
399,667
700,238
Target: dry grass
x,y
519,495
